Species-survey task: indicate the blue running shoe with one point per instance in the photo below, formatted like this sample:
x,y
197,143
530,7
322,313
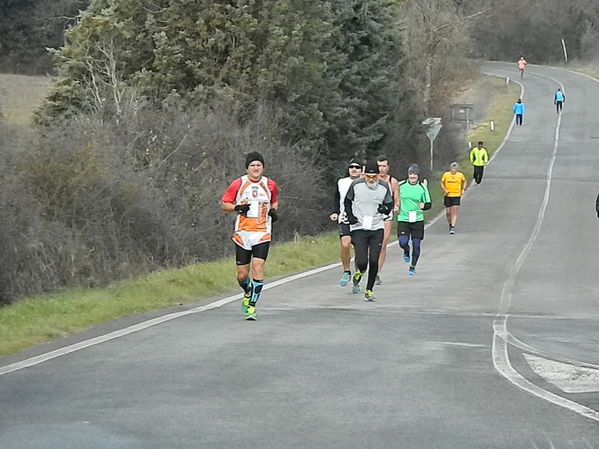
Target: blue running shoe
x,y
406,257
345,278
412,271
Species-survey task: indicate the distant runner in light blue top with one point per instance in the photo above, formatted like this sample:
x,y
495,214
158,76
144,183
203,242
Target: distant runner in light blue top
x,y
558,100
519,111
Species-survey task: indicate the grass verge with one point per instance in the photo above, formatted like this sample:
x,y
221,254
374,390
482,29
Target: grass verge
x,y
38,319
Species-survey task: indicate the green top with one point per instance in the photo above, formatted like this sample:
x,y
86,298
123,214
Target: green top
x,y
479,156
409,196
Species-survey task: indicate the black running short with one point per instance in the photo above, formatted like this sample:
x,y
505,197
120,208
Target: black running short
x,y
343,229
244,256
412,230
451,201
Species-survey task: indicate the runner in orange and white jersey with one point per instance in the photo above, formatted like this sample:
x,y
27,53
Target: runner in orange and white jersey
x,y
254,198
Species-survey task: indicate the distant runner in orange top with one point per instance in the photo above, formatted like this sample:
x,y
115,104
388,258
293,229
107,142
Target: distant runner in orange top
x,y
521,65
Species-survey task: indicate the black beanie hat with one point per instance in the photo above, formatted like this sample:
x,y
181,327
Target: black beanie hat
x,y
372,168
253,156
413,168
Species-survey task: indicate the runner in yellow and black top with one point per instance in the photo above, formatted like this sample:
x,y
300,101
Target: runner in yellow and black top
x,y
453,184
479,158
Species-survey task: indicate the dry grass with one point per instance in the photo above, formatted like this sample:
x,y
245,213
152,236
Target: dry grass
x,y
586,68
20,96
499,111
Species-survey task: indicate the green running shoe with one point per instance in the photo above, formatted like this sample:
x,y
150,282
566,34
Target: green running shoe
x,y
369,296
245,303
250,313
356,281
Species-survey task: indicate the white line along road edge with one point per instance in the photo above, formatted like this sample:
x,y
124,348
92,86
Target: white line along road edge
x,y
501,359
146,324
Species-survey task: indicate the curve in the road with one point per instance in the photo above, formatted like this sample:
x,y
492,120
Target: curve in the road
x,y
501,336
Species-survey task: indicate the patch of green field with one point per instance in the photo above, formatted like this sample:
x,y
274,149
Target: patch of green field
x,y
20,96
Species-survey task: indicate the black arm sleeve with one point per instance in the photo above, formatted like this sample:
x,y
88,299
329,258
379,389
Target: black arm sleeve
x,y
337,202
348,203
427,206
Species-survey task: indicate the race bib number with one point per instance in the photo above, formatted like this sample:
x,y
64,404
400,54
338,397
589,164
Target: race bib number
x,y
412,216
367,222
254,211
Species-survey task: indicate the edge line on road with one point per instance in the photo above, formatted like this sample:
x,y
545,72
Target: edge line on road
x,y
499,351
505,368
32,361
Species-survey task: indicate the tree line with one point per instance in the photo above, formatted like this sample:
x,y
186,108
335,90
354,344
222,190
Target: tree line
x,y
508,29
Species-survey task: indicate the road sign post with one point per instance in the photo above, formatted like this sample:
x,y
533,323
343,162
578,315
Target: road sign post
x,y
433,126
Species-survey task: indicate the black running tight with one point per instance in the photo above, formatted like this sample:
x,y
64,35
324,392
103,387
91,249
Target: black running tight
x,y
367,246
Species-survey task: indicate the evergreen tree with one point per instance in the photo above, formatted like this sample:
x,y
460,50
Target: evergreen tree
x,y
244,53
367,48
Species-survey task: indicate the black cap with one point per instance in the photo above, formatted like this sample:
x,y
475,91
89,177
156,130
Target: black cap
x,y
355,161
253,156
372,168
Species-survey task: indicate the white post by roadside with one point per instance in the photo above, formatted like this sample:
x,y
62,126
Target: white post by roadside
x,y
433,126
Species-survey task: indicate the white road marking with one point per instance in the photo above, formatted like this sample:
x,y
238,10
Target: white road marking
x,y
499,351
531,349
567,377
504,367
463,345
146,324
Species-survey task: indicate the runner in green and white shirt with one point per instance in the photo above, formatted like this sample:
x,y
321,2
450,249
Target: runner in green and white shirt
x,y
413,199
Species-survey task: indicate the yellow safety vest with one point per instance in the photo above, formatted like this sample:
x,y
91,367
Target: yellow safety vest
x,y
479,156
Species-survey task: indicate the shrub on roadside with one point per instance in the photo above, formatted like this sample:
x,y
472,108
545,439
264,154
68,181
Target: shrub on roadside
x,y
92,201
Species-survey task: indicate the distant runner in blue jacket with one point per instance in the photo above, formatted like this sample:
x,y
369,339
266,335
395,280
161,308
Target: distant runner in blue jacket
x,y
519,111
558,100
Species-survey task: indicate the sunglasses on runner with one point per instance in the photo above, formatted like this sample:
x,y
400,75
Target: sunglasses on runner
x,y
356,167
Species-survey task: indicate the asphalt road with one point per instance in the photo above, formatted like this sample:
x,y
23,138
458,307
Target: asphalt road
x,y
493,344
